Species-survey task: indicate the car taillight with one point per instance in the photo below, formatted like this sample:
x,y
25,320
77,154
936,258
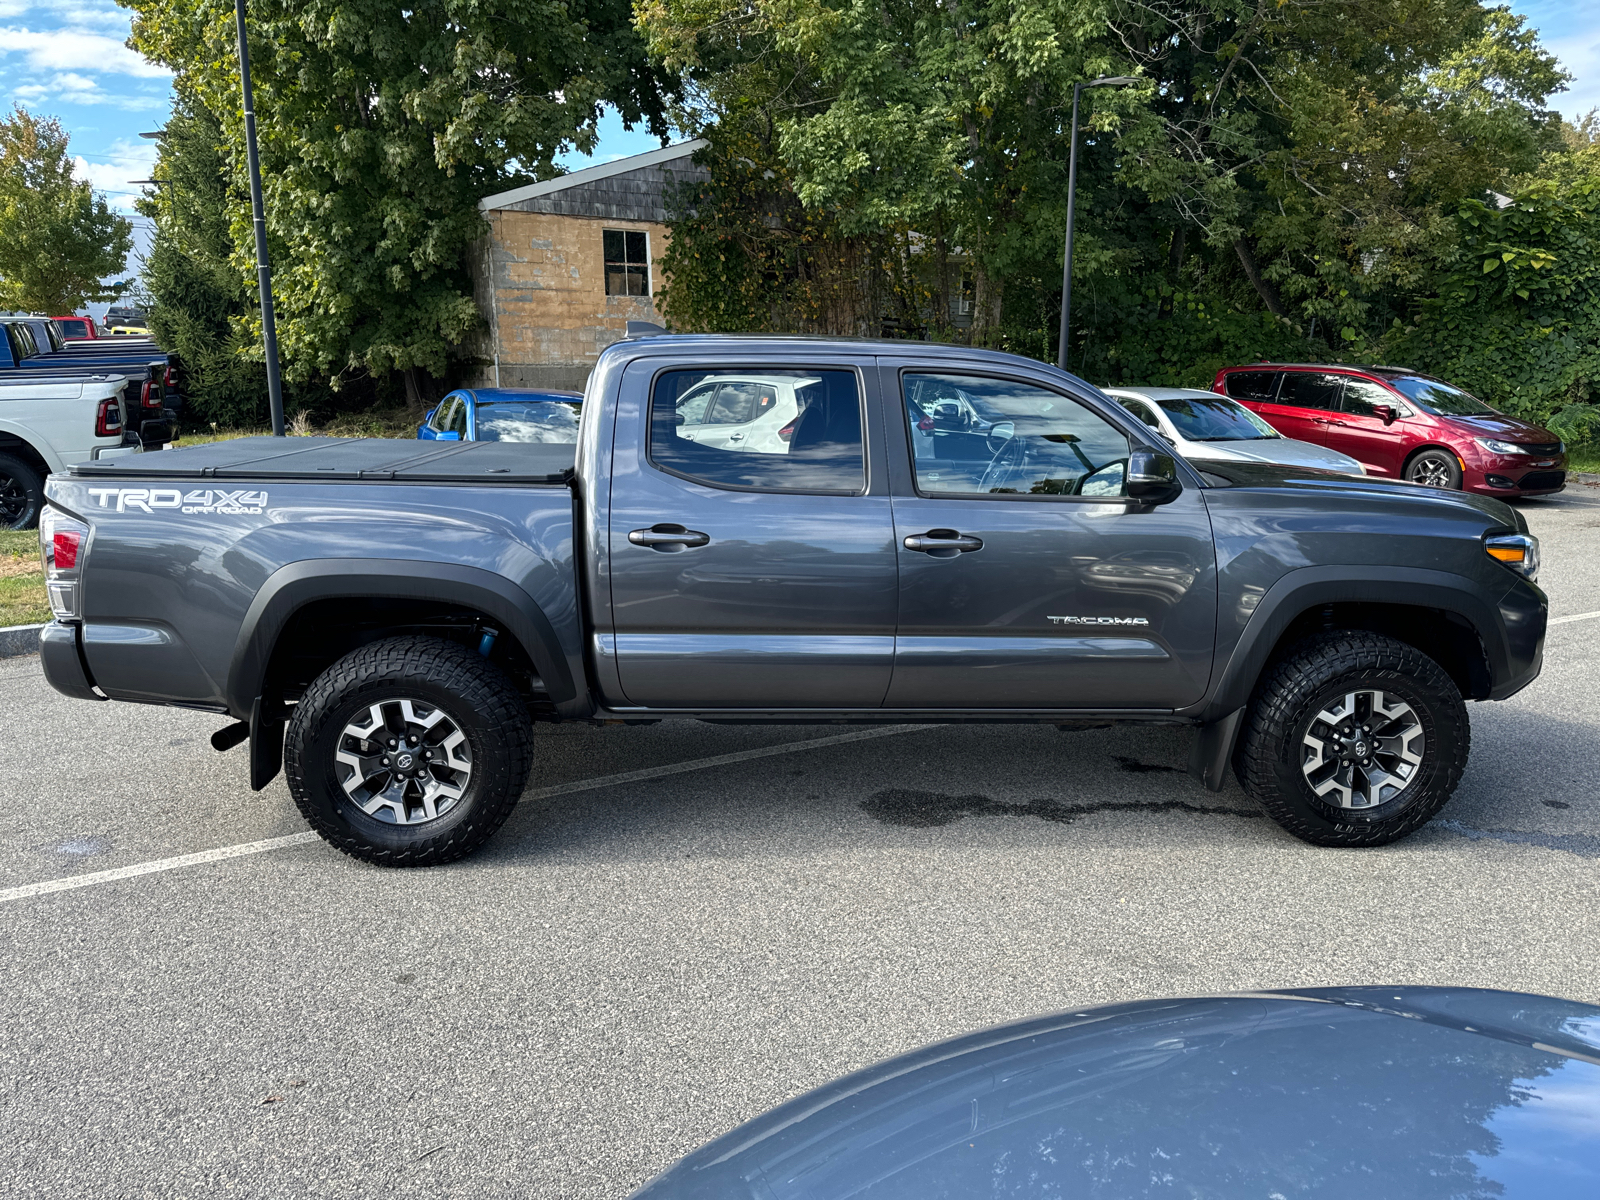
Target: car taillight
x,y
787,431
62,541
925,425
108,420
166,380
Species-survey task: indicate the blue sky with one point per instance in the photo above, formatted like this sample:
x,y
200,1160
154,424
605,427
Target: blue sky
x,y
66,58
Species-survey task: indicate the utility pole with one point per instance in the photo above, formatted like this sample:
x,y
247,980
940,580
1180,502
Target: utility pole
x,y
1072,190
269,330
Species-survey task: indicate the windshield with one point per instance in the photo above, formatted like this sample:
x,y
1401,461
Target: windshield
x,y
528,421
1215,419
1432,396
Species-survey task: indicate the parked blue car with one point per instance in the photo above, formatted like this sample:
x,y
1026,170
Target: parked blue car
x,y
503,415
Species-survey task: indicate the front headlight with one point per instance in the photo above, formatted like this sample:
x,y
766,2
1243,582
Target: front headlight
x,y
1503,447
1519,551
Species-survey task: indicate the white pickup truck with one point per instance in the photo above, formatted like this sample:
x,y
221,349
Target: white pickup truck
x,y
48,424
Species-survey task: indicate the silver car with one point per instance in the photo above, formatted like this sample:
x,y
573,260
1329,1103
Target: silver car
x,y
1203,425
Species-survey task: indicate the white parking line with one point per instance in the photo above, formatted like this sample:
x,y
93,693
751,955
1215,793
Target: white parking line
x,y
23,891
1576,617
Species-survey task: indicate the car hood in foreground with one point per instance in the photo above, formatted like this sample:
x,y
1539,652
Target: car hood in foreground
x,y
1385,1093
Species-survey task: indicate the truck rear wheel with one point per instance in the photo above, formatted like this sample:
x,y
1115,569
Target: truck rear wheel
x,y
1355,739
21,493
408,752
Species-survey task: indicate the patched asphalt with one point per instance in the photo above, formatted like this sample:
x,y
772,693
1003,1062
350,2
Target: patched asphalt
x,y
627,971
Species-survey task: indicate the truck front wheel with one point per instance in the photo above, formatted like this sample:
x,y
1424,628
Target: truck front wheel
x,y
1354,739
408,752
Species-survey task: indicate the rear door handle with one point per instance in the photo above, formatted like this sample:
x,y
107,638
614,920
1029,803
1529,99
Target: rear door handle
x,y
668,537
942,543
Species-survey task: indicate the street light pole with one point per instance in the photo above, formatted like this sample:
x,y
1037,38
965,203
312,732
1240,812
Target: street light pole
x,y
269,330
1072,196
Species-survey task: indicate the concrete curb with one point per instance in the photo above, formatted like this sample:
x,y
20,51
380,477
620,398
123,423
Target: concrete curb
x,y
17,640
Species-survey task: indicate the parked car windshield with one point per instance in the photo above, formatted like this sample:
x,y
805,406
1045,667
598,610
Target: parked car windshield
x,y
1441,399
528,421
1215,419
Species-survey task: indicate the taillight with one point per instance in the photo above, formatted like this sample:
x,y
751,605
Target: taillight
x,y
787,431
166,380
108,420
62,540
925,425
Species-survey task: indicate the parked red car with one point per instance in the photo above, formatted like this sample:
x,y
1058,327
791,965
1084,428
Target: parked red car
x,y
75,327
1402,424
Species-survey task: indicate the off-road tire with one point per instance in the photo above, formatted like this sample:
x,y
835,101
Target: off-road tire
x,y
22,493
1441,464
479,699
1268,758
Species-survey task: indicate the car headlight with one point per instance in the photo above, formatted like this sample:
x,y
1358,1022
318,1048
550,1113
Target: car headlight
x,y
1503,447
1519,551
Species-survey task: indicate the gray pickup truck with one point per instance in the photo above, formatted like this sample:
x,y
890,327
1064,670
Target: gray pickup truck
x,y
788,530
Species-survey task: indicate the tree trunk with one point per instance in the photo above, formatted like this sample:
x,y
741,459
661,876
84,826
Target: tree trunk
x,y
1264,288
987,297
1176,255
416,389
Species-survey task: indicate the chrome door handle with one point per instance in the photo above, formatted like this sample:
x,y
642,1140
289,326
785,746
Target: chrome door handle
x,y
736,437
942,543
668,537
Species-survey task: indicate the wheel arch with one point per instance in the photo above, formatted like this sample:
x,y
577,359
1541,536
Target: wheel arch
x,y
22,442
315,585
1411,455
1438,613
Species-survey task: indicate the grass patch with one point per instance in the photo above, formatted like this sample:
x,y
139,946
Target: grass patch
x,y
22,598
374,423
1584,458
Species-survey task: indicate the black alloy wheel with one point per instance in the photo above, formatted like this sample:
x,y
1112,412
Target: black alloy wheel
x,y
1354,739
21,493
408,752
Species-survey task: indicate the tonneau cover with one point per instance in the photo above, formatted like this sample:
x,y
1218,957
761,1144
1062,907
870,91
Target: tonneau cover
x,y
369,459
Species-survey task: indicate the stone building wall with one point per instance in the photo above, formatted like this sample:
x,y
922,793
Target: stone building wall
x,y
543,288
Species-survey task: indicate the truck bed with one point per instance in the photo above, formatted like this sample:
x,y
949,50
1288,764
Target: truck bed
x,y
369,459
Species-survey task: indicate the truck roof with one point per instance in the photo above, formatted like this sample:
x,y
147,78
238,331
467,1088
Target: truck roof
x,y
368,459
722,343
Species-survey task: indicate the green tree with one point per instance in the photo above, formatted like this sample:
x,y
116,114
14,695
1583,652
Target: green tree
x,y
57,238
380,129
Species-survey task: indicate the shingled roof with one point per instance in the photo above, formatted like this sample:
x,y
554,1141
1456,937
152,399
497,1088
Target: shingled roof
x,y
629,189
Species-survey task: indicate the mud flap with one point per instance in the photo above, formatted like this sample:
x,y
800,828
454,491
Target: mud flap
x,y
1213,749
266,742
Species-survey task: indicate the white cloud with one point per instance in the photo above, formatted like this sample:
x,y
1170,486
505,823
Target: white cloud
x,y
125,162
76,50
69,87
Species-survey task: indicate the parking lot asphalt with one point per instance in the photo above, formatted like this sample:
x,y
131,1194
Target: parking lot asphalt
x,y
632,968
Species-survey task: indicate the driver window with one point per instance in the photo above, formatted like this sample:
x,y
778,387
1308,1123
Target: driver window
x,y
457,421
975,436
441,415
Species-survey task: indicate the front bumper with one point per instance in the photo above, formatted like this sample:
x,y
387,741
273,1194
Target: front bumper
x,y
1516,475
1524,613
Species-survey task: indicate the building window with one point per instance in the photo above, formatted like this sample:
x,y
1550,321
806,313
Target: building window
x,y
627,263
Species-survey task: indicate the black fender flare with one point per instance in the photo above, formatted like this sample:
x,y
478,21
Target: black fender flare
x,y
1312,587
291,587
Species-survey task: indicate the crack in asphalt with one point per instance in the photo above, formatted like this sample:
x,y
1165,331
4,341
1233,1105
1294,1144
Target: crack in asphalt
x,y
924,810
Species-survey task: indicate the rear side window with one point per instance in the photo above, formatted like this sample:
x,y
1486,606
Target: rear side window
x,y
74,328
1310,389
1138,409
765,431
1251,385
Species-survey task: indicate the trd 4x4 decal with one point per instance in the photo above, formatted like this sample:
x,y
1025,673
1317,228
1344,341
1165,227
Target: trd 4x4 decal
x,y
204,500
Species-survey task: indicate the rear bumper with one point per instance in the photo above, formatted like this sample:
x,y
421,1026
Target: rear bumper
x,y
62,661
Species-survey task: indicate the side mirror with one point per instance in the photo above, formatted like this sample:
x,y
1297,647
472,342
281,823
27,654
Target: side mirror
x,y
1153,477
1385,413
429,415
